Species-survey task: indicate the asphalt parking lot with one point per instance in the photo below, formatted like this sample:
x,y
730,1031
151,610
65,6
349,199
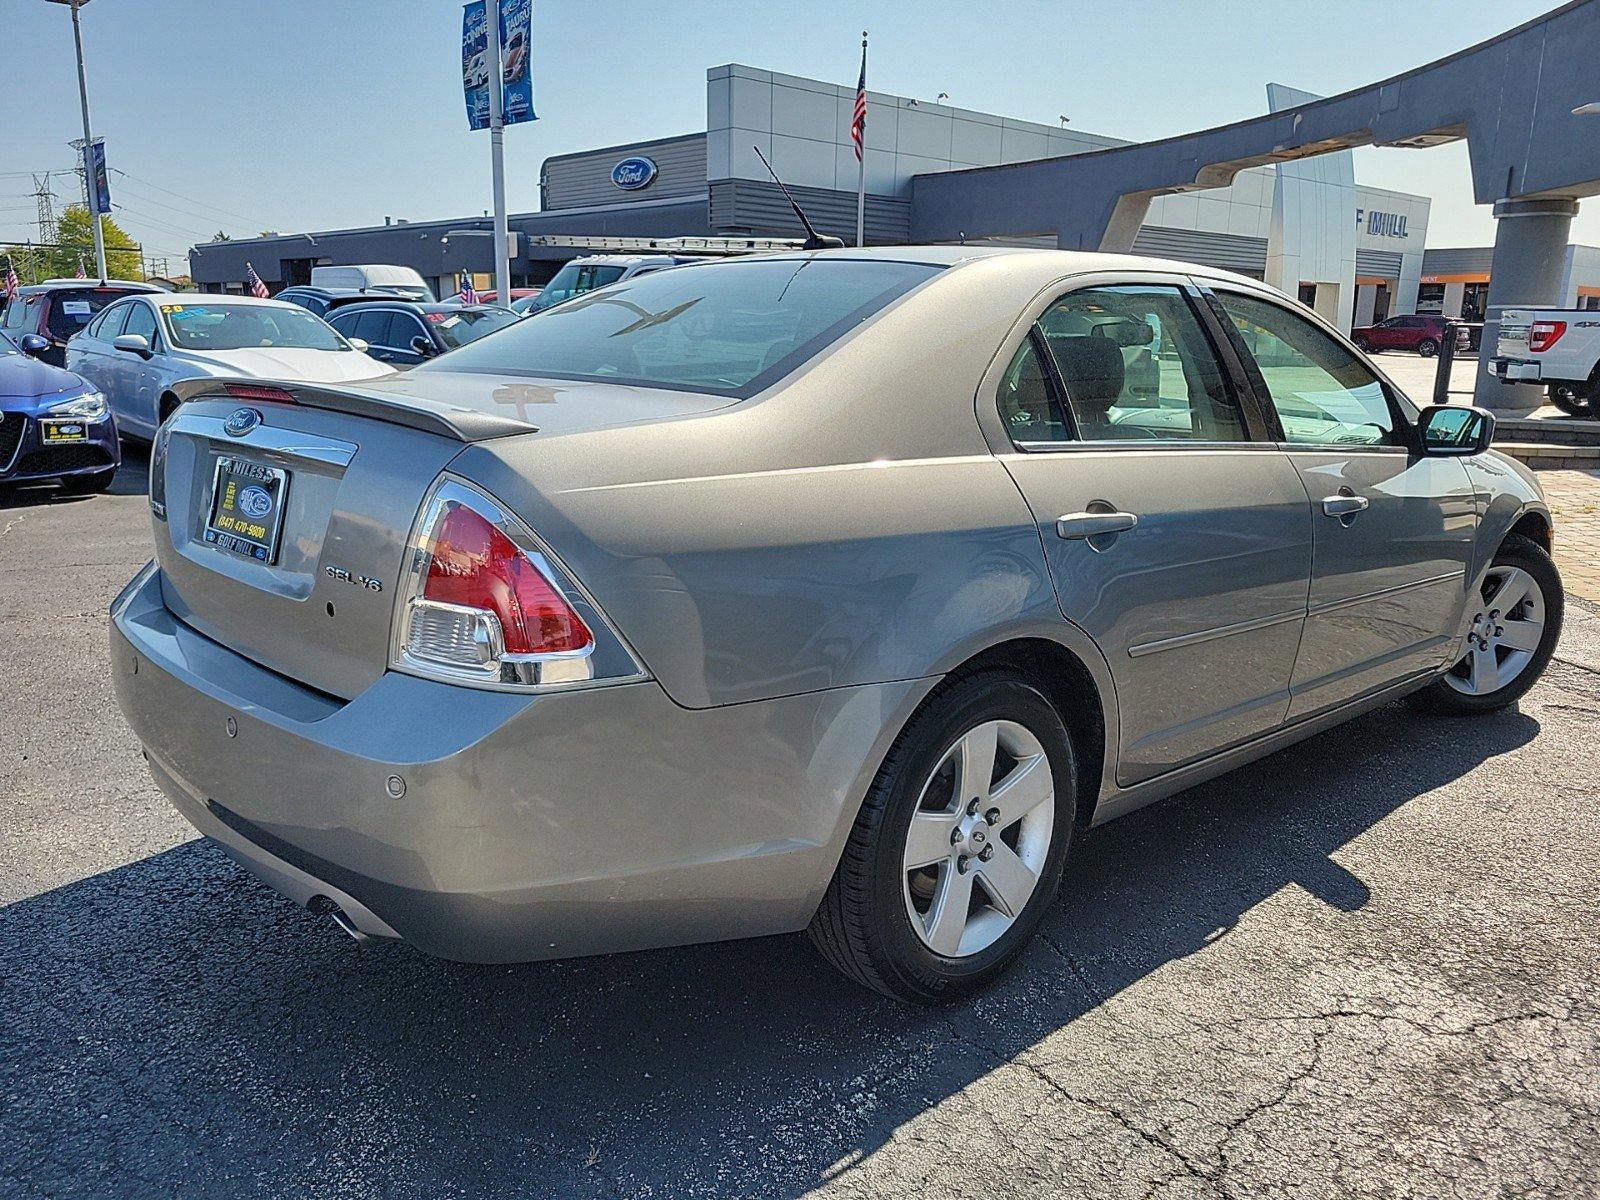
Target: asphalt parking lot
x,y
1366,966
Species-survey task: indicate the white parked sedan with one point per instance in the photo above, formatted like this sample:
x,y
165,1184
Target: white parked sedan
x,y
138,348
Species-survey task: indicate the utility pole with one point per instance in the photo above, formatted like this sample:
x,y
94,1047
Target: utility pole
x,y
497,152
90,188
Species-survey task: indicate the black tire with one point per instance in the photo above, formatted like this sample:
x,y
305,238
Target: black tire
x,y
862,927
1516,551
1363,345
1574,399
88,485
1427,347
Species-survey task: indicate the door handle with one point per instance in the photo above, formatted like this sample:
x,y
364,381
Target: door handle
x,y
1344,506
1093,524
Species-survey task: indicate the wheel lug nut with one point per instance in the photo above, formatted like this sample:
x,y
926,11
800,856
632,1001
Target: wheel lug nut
x,y
1499,631
987,853
992,816
972,806
955,837
961,864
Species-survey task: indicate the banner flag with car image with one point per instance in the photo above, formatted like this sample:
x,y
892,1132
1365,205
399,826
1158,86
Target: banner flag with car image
x,y
516,33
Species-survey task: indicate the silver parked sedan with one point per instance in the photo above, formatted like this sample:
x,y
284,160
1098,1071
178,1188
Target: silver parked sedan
x,y
830,591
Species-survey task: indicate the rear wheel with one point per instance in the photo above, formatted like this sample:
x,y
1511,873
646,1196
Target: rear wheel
x,y
1515,624
1574,399
958,849
1363,345
1427,347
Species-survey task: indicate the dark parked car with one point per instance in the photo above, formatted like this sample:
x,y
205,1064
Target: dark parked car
x,y
320,300
406,333
58,308
53,424
1423,333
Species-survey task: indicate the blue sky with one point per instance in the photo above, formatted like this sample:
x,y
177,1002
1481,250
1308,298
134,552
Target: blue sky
x,y
247,115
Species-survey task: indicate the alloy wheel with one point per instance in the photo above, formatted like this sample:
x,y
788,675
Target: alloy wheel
x,y
1505,633
979,838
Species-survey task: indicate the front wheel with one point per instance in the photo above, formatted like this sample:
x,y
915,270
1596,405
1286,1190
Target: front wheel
x,y
958,849
1515,623
1427,347
1363,345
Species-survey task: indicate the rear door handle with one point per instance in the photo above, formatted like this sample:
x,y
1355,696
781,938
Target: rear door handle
x,y
1344,506
1093,524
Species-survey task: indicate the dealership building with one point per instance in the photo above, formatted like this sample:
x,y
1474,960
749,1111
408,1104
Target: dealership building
x,y
1455,282
1355,253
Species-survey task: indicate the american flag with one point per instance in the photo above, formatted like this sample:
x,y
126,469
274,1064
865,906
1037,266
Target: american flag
x,y
80,273
468,293
858,121
257,288
12,282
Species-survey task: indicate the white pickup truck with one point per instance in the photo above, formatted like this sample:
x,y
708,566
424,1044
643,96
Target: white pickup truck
x,y
1559,347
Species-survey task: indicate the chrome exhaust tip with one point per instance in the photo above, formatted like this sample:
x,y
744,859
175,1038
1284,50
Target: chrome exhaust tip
x,y
323,906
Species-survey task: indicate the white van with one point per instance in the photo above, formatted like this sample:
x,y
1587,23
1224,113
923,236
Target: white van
x,y
383,279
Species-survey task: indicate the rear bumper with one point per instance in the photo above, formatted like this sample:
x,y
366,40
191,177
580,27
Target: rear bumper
x,y
527,827
1514,370
27,458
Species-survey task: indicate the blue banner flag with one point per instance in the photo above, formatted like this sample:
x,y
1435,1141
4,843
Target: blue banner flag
x,y
94,158
516,33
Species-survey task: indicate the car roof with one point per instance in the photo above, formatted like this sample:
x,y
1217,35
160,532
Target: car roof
x,y
61,285
206,299
421,306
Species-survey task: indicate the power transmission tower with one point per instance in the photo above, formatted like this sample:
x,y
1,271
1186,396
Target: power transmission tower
x,y
47,207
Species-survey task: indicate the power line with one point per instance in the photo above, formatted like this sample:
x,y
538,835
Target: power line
x,y
191,199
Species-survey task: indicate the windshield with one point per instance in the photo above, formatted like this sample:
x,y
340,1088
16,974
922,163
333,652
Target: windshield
x,y
575,279
470,324
246,326
730,327
73,308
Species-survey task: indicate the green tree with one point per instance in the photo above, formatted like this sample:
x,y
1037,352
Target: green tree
x,y
75,242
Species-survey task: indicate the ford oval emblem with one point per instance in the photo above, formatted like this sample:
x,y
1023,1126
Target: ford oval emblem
x,y
241,421
631,174
255,502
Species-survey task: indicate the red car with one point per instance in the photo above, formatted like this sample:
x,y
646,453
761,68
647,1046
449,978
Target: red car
x,y
1418,331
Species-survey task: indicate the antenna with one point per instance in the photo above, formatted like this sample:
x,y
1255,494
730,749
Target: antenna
x,y
814,240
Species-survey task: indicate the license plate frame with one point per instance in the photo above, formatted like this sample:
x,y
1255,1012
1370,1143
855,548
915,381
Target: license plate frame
x,y
235,520
63,431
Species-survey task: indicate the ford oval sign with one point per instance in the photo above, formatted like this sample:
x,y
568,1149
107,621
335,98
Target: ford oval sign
x,y
241,421
631,174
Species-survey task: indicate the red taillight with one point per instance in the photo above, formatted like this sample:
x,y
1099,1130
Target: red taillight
x,y
1544,334
254,391
474,565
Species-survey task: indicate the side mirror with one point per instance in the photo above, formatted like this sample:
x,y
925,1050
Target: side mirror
x,y
422,346
133,343
32,343
360,344
1454,430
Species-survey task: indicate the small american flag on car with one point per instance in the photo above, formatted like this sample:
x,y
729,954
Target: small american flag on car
x,y
257,288
468,294
12,282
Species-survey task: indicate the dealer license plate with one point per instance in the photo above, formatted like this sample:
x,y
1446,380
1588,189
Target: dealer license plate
x,y
247,500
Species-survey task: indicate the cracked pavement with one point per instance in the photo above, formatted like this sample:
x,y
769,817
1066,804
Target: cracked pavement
x,y
1366,966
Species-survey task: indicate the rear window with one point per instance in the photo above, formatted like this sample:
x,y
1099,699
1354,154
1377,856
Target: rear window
x,y
73,308
459,328
729,328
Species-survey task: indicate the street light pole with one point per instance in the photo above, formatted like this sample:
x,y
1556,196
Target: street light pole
x,y
497,145
90,187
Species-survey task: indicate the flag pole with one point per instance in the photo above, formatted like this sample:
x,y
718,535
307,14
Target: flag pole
x,y
861,159
497,138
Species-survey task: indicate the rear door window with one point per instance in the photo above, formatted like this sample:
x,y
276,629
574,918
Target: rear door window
x,y
1137,366
108,325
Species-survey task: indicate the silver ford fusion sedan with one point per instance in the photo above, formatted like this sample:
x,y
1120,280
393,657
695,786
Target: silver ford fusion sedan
x,y
828,591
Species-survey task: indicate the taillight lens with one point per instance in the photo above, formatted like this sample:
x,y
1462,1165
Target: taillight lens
x,y
1544,334
484,602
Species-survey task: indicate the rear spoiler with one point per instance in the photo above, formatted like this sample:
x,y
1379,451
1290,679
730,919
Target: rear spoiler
x,y
446,420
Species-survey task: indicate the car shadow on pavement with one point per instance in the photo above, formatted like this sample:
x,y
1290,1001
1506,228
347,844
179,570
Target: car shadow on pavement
x,y
132,479
172,1027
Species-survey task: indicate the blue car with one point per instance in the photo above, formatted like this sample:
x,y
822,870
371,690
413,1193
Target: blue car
x,y
54,426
